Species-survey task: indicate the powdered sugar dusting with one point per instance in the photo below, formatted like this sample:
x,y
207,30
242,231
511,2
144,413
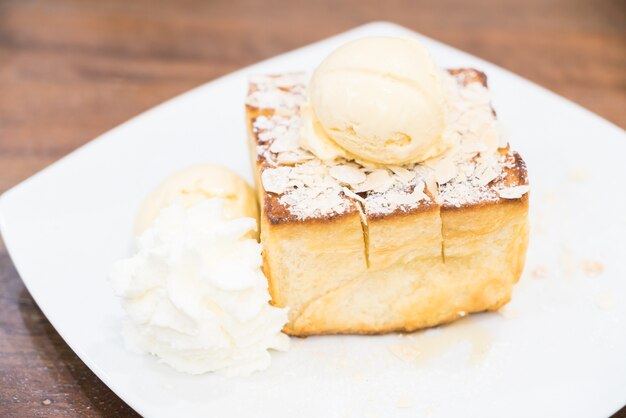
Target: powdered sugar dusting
x,y
398,198
306,190
471,171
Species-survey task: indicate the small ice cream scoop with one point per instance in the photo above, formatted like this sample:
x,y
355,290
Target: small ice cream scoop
x,y
194,184
380,99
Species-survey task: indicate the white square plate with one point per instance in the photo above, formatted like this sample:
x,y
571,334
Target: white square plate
x,y
558,349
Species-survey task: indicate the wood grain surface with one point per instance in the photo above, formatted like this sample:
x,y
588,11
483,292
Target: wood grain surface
x,y
73,69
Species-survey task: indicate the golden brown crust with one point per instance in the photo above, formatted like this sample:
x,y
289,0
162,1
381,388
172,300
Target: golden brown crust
x,y
278,214
520,167
406,329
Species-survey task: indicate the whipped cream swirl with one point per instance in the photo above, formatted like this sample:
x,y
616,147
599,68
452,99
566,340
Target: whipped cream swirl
x,y
195,294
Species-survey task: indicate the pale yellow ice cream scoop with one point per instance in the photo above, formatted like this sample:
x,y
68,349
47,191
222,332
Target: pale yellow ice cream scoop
x,y
381,99
194,184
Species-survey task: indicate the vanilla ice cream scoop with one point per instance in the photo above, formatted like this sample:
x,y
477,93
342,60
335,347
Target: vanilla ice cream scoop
x,y
382,100
194,184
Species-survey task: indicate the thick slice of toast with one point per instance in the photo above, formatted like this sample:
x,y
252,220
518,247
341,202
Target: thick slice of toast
x,y
407,248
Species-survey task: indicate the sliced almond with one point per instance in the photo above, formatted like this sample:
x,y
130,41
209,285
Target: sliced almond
x,y
378,181
445,169
286,142
352,195
405,175
513,192
347,174
487,176
431,185
294,157
276,180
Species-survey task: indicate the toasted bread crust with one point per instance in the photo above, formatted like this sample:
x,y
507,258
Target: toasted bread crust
x,y
277,214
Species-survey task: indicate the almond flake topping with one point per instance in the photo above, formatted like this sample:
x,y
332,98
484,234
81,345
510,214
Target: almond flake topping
x,y
275,180
445,169
378,181
471,171
347,174
513,192
403,174
286,142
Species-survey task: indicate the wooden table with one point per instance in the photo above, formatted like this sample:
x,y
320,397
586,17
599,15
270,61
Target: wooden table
x,y
72,69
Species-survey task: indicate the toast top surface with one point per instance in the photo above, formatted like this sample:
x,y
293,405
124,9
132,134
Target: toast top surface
x,y
478,167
